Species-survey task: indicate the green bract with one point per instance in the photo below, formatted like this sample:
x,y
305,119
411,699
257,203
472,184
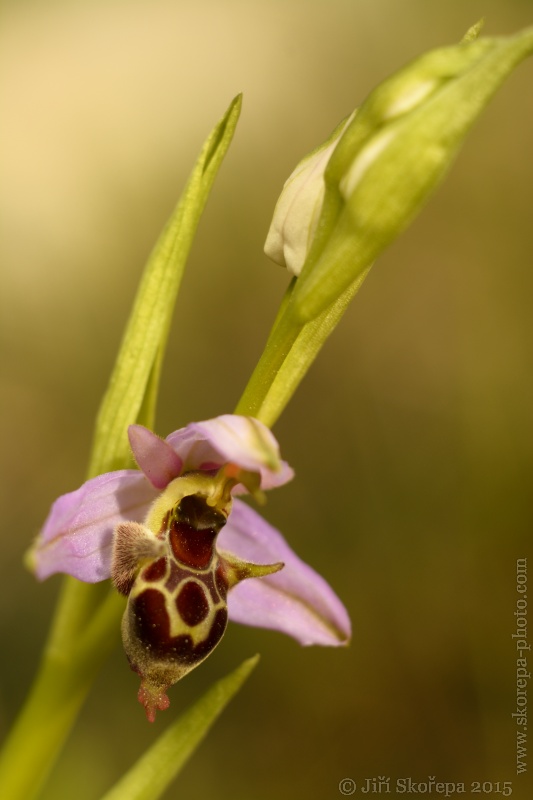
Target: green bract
x,y
393,154
389,158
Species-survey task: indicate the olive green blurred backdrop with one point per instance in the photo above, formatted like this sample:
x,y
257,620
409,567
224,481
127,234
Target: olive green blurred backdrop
x,y
412,436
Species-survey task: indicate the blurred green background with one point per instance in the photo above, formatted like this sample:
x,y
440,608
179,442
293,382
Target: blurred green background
x,y
412,436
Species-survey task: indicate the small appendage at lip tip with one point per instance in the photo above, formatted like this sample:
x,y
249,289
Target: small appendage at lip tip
x,y
153,699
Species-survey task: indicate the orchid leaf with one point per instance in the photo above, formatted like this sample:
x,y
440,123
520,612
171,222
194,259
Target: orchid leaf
x,y
61,686
154,771
138,366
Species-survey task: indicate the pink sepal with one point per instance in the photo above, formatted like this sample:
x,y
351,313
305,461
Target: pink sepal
x,y
76,537
296,601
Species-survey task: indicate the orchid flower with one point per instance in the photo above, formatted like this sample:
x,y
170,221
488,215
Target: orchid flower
x,y
175,541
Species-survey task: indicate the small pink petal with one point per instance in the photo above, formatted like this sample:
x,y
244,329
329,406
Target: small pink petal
x,y
159,462
296,601
234,439
77,535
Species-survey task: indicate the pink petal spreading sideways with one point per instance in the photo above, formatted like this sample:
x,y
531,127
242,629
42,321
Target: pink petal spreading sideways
x,y
296,601
77,536
155,533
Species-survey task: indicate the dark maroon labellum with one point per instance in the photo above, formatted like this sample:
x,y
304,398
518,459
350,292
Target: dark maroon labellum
x,y
177,584
176,611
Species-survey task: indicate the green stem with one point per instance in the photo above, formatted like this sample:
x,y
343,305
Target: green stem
x,y
289,352
76,604
65,677
303,352
284,334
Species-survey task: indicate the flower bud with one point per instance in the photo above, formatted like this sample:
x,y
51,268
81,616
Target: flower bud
x,y
383,165
299,205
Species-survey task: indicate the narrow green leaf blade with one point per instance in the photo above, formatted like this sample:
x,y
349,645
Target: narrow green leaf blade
x,y
61,684
138,363
155,770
